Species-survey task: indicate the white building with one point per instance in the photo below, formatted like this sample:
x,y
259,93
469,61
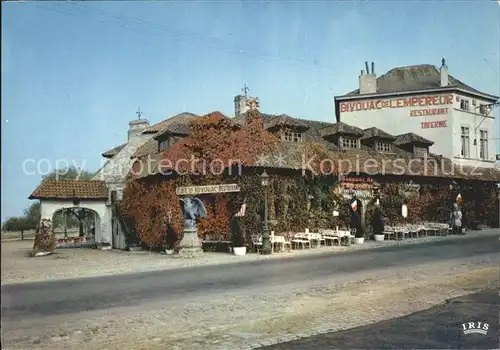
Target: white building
x,y
429,102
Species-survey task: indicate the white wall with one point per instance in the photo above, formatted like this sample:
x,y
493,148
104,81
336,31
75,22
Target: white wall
x,y
392,116
472,119
49,207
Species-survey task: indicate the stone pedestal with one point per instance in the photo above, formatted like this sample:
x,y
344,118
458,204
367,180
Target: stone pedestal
x,y
190,245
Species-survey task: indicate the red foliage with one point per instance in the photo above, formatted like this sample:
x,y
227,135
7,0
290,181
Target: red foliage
x,y
215,144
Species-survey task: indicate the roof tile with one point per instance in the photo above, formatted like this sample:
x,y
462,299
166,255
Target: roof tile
x,y
70,189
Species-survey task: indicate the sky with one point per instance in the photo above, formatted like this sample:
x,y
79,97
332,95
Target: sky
x,y
74,73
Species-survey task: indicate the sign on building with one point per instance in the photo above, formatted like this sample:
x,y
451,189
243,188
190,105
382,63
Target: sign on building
x,y
195,190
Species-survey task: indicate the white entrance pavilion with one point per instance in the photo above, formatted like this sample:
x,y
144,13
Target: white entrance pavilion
x,y
56,195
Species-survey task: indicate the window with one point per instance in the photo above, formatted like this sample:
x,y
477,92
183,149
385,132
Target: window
x,y
483,144
420,151
163,145
383,147
464,105
464,137
347,142
483,109
292,136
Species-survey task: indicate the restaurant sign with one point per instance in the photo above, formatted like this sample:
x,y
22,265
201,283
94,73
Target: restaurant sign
x,y
357,183
195,190
400,102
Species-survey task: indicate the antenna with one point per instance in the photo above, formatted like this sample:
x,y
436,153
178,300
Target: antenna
x,y
245,90
139,113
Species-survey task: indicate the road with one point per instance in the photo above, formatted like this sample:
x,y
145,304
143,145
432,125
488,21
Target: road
x,y
28,306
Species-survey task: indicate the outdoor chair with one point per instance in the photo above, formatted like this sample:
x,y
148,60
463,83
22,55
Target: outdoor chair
x,y
256,243
301,240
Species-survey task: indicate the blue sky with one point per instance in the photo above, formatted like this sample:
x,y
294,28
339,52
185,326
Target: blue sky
x,y
73,74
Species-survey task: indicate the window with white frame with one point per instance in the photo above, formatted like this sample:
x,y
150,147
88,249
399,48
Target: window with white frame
x,y
465,142
163,146
292,136
420,151
383,147
483,109
483,144
349,142
464,105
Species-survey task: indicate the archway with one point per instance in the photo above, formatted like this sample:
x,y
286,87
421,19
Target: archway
x,y
57,195
76,227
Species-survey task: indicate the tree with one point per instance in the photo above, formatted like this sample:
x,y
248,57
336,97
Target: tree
x,y
69,173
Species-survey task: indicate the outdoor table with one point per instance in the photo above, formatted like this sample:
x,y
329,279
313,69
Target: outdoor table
x,y
344,236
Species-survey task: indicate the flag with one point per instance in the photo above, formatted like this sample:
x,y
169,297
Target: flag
x,y
242,210
459,199
354,205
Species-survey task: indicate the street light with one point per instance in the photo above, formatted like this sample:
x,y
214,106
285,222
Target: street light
x,y
498,192
266,247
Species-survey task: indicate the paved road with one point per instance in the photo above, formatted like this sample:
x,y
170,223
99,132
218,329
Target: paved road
x,y
437,328
72,296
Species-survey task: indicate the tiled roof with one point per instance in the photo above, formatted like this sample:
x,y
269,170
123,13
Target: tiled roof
x,y
147,148
70,189
374,132
110,153
153,129
414,78
284,120
411,138
341,128
293,152
178,124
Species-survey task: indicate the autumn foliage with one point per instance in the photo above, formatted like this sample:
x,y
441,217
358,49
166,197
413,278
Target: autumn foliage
x,y
214,146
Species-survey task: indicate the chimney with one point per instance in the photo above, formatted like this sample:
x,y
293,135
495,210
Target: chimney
x,y
368,81
240,104
444,73
136,127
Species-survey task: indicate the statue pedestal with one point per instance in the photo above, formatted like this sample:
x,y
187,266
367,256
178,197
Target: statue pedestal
x,y
190,245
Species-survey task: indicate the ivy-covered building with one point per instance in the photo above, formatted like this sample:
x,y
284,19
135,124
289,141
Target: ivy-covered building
x,y
316,167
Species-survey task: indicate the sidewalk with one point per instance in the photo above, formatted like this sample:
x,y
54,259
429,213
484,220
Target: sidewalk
x,y
17,267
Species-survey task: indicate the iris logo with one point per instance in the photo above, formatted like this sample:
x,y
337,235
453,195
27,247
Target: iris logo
x,y
475,327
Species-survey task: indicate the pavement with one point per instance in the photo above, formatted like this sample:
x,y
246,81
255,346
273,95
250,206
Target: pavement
x,y
439,327
245,305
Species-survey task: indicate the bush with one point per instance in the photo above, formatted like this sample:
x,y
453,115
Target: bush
x,y
237,235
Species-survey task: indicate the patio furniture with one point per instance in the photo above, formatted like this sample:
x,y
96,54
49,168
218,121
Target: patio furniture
x,y
330,236
301,240
256,243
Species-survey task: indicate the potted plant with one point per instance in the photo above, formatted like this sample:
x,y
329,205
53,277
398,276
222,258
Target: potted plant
x,y
359,237
237,237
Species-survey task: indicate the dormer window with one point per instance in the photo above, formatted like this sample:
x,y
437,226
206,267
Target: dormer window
x,y
383,146
291,136
163,145
420,151
349,142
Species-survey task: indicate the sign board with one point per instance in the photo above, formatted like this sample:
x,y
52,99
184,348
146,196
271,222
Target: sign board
x,y
356,183
195,190
400,102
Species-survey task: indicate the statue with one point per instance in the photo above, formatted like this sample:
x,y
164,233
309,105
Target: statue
x,y
192,209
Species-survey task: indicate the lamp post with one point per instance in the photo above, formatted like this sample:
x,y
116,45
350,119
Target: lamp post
x,y
266,247
498,193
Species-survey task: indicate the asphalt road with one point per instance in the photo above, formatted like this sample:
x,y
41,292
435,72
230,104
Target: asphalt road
x,y
41,299
439,327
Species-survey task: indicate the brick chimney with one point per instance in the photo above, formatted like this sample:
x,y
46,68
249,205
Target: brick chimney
x,y
368,81
444,73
